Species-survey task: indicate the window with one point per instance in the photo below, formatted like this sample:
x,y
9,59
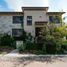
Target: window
x,y
17,19
17,32
51,18
57,19
29,20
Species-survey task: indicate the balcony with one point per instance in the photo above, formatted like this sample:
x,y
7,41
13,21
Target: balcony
x,y
40,23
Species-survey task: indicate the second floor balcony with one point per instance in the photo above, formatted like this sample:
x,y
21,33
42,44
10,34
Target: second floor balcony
x,y
40,23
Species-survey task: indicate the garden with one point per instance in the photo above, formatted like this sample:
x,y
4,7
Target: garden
x,y
51,40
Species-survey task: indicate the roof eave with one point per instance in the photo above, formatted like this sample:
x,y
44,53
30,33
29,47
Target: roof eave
x,y
35,8
49,13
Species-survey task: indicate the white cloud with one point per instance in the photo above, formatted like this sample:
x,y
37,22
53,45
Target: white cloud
x,y
36,2
17,4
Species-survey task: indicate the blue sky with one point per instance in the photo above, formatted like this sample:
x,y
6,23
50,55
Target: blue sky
x,y
4,6
15,5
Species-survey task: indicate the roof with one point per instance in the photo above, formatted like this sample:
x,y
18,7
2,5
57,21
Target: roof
x,y
55,13
31,8
34,8
11,13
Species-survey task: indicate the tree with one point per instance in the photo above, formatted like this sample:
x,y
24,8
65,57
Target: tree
x,y
62,30
53,37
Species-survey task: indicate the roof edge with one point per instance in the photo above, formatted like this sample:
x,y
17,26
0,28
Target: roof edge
x,y
56,12
35,8
11,13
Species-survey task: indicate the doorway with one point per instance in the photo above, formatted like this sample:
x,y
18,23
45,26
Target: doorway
x,y
37,31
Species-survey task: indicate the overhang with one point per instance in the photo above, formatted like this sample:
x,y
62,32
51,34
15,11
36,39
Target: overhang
x,y
11,13
55,13
35,8
40,23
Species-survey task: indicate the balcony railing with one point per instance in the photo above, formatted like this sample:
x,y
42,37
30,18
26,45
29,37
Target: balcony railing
x,y
40,23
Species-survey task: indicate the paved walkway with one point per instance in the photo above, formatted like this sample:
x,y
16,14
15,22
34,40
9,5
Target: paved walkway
x,y
15,51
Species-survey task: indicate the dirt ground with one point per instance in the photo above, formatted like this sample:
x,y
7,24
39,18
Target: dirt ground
x,y
5,49
48,62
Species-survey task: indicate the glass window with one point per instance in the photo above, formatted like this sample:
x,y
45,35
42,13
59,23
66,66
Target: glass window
x,y
57,19
51,18
17,19
29,20
17,32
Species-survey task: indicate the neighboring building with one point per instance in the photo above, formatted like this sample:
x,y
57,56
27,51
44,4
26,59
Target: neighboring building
x,y
32,19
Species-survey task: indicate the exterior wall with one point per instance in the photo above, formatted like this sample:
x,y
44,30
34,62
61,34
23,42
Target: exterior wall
x,y
57,24
6,24
36,16
6,21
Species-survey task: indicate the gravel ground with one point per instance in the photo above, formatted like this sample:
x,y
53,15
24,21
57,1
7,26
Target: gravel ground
x,y
33,62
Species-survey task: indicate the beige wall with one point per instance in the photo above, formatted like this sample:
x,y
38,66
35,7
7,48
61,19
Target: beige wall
x,y
36,16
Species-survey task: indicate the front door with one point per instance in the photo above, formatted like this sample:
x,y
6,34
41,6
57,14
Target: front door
x,y
37,31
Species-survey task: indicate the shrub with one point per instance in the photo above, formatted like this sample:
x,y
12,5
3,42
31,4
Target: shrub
x,y
39,42
24,36
39,52
44,48
30,45
22,47
64,46
49,44
7,40
53,39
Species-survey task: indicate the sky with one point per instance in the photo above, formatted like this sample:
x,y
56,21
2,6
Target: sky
x,y
15,5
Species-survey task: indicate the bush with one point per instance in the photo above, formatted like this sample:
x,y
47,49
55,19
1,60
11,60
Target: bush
x,y
30,45
29,42
24,36
44,48
39,52
22,47
39,42
49,41
7,40
64,46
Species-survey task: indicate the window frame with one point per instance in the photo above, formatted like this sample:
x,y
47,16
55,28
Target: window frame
x,y
16,35
29,20
52,19
57,19
14,21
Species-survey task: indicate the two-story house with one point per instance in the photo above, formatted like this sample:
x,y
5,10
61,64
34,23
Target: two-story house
x,y
32,19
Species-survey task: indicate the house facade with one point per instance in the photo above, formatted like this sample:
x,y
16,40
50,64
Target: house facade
x,y
31,19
